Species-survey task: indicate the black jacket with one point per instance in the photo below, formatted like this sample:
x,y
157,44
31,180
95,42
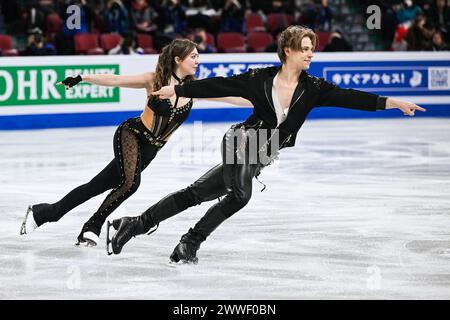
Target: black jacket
x,y
255,85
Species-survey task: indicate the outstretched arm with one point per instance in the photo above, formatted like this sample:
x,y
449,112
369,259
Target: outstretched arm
x,y
111,80
217,87
332,95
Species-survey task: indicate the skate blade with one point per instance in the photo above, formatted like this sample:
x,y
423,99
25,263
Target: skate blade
x,y
181,263
175,260
85,244
23,229
108,240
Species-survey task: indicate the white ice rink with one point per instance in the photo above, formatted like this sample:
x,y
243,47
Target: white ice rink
x,y
359,209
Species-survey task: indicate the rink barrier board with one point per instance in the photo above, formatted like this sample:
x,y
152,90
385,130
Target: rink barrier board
x,y
29,98
74,120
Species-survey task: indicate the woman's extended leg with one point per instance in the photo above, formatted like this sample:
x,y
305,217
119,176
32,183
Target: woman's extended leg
x,y
127,149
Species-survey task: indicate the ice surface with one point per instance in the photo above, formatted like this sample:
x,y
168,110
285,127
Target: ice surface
x,y
359,209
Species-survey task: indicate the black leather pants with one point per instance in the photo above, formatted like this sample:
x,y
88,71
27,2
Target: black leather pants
x,y
231,180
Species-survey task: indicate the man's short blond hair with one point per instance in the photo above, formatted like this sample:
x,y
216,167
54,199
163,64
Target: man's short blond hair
x,y
292,38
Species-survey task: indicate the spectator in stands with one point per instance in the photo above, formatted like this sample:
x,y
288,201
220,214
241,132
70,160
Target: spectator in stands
x,y
281,6
308,14
32,17
438,43
399,43
439,16
337,43
174,16
37,46
46,6
143,16
116,17
128,45
324,16
232,16
199,13
64,41
418,37
11,16
408,11
389,24
200,38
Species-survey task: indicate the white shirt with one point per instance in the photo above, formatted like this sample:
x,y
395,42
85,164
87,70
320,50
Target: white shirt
x,y
280,111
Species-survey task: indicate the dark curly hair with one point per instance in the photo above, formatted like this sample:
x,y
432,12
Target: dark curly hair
x,y
180,48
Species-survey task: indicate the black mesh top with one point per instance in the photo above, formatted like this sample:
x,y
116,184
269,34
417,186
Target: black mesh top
x,y
167,117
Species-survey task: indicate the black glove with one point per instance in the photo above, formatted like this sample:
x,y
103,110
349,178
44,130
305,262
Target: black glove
x,y
71,81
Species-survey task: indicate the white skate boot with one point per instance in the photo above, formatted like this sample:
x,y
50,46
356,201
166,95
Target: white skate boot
x,y
90,238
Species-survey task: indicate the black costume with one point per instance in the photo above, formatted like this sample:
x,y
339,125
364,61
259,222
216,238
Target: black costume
x,y
135,146
234,181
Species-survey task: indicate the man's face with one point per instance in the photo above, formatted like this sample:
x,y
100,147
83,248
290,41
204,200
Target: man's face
x,y
301,58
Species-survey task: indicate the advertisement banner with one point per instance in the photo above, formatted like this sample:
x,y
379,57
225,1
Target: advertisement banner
x,y
29,97
36,85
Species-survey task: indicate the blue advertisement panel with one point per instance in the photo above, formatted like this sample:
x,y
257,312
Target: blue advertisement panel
x,y
391,78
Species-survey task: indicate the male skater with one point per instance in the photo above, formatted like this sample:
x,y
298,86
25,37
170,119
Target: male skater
x,y
282,98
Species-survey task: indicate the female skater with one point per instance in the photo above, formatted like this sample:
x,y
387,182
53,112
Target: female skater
x,y
136,141
282,98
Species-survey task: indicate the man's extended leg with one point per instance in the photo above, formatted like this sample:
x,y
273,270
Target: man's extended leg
x,y
208,187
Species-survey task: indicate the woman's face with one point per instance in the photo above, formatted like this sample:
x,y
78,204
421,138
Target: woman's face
x,y
189,65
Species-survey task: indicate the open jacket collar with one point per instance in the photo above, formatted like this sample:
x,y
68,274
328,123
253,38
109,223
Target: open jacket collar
x,y
268,82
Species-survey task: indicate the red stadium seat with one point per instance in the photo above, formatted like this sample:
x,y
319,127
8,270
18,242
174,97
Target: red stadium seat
x,y
145,41
254,23
258,41
54,23
87,43
210,39
7,47
230,42
109,41
322,37
278,21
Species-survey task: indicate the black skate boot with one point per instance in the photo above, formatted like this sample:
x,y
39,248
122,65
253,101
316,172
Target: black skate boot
x,y
186,250
127,228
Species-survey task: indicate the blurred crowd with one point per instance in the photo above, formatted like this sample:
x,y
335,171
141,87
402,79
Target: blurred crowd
x,y
164,20
406,24
415,25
